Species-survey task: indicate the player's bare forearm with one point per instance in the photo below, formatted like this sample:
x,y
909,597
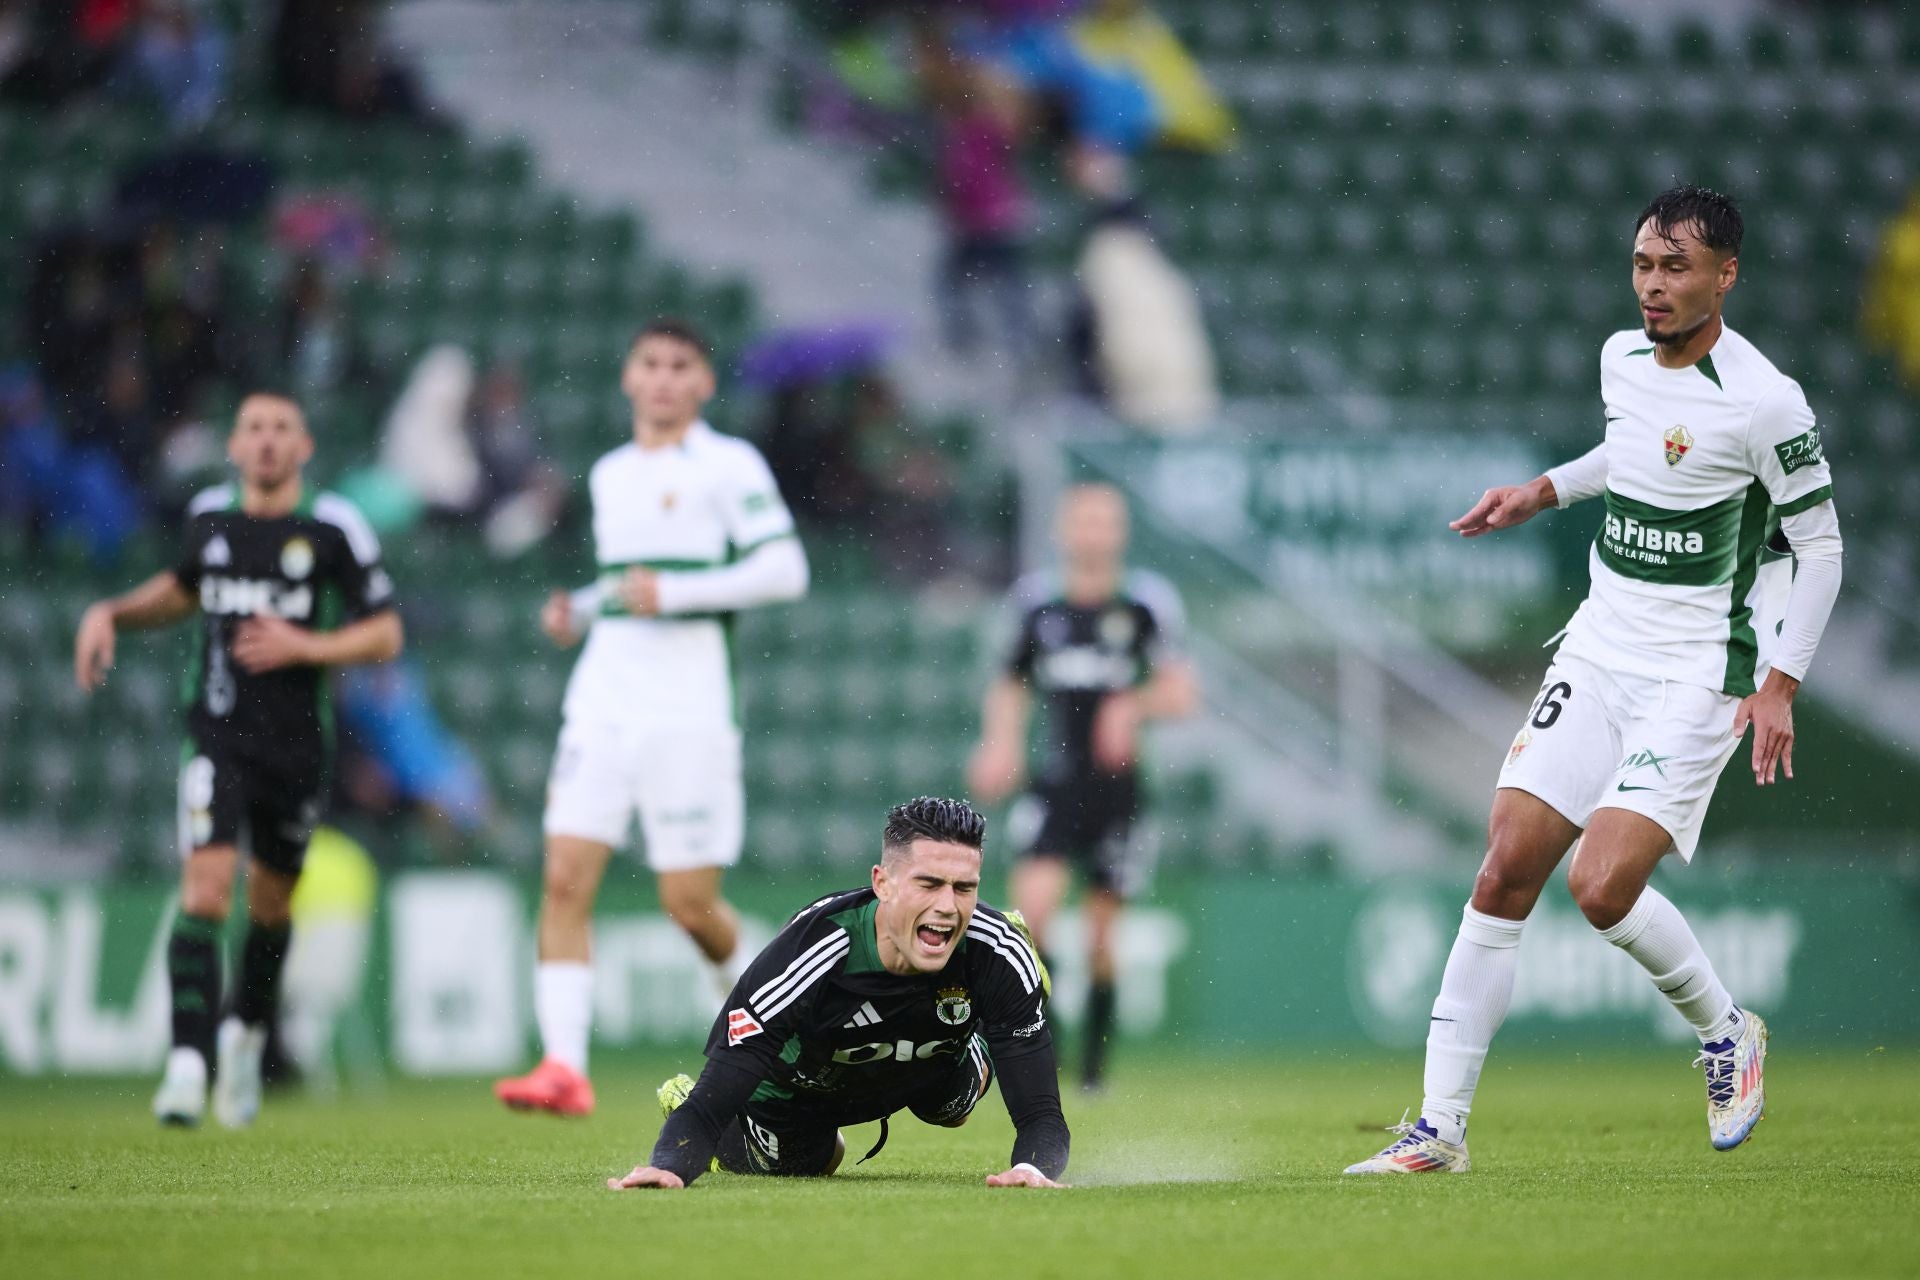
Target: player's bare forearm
x,y
1507,506
999,760
378,638
1003,717
160,601
1172,693
156,602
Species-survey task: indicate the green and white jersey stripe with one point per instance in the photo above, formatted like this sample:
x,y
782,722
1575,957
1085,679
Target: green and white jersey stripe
x,y
1702,463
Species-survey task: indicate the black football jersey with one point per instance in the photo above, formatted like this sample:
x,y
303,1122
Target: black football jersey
x,y
1074,655
317,567
818,1019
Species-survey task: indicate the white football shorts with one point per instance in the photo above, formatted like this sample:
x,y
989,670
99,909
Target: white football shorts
x,y
682,782
1598,739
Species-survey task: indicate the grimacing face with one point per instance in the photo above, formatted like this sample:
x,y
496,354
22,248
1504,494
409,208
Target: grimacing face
x,y
269,443
1679,283
927,897
1092,526
667,380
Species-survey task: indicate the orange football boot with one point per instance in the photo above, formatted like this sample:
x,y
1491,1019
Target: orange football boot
x,y
552,1086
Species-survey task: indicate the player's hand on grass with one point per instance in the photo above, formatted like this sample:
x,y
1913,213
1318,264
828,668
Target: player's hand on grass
x,y
640,589
556,619
1770,712
1505,507
93,647
994,771
1022,1175
644,1176
1116,732
266,643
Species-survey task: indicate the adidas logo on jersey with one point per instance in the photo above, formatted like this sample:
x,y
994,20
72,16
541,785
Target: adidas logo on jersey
x,y
864,1016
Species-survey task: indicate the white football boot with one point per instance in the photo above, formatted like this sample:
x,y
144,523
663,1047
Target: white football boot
x,y
1736,1092
236,1084
1419,1150
182,1097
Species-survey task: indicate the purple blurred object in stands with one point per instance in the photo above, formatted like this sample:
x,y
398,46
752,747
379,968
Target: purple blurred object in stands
x,y
787,356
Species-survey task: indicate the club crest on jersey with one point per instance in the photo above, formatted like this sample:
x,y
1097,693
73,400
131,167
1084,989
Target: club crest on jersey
x,y
1116,628
953,1005
1521,741
669,500
296,558
1678,440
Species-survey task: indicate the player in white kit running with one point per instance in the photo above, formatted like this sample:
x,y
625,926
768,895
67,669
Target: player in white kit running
x,y
688,527
1713,572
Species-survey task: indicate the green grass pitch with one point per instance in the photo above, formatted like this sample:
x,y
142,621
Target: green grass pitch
x,y
1584,1165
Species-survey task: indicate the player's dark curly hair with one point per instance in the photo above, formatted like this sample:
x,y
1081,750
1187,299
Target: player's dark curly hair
x,y
680,330
931,818
1710,213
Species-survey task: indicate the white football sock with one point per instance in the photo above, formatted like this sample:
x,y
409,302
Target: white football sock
x,y
726,973
1656,935
563,1006
1473,999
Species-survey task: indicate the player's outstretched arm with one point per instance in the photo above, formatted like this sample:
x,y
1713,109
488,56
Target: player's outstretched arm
x,y
1030,1086
1505,507
692,1133
157,602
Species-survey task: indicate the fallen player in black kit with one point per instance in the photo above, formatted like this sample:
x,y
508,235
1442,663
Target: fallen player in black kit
x,y
908,995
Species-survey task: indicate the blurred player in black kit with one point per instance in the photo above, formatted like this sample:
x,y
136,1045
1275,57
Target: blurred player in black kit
x,y
287,582
1099,643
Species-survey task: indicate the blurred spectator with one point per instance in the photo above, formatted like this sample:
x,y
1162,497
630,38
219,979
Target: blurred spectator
x,y
72,47
178,56
425,443
522,495
465,448
315,347
1143,345
327,55
910,486
984,200
332,227
49,485
1892,309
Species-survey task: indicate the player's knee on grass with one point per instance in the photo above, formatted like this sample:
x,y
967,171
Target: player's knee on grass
x,y
751,1145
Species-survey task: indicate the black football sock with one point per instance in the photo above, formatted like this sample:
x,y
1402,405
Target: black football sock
x,y
261,958
1099,1029
193,972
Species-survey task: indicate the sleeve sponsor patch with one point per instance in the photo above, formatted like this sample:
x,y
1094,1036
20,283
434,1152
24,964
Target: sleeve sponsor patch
x,y
741,1025
1801,451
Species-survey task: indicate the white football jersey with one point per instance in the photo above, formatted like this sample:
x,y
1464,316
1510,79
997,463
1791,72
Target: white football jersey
x,y
700,504
1702,463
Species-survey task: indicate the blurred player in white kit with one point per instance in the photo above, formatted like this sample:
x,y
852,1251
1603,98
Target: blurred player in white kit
x,y
688,528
